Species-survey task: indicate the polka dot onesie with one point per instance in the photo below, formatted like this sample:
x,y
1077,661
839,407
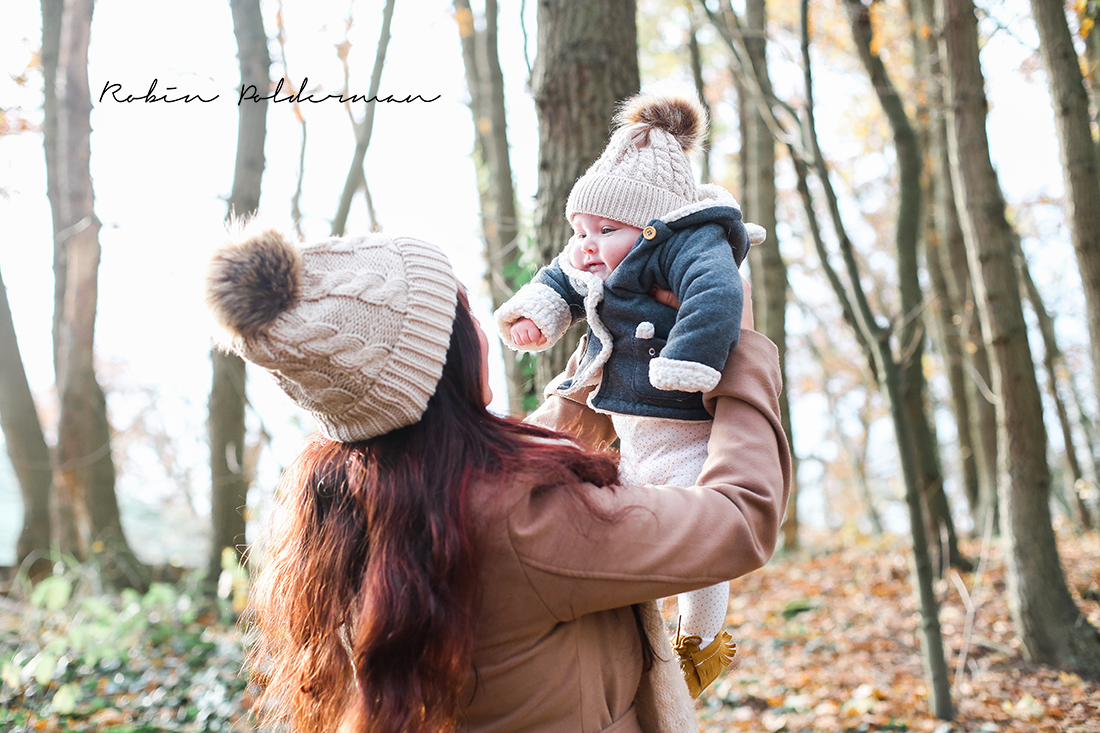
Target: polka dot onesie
x,y
672,452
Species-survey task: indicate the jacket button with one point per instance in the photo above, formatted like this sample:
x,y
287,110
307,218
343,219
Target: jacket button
x,y
649,232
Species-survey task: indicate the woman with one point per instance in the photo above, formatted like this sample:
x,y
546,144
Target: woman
x,y
434,567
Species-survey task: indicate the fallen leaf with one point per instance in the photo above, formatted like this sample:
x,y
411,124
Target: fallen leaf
x,y
773,723
108,717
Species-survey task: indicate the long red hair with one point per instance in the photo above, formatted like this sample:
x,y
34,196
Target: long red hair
x,y
365,605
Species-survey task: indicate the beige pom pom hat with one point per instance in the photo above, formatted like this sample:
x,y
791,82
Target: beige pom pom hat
x,y
645,170
354,329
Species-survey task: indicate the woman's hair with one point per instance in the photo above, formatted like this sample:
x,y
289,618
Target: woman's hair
x,y
364,609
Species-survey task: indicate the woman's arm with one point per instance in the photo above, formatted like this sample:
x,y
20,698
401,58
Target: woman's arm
x,y
665,540
573,416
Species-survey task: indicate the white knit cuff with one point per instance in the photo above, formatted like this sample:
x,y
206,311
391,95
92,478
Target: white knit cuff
x,y
684,376
541,304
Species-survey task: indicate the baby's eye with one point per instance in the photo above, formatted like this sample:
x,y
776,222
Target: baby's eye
x,y
578,235
607,230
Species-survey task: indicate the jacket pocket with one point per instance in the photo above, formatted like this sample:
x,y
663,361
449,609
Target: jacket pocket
x,y
643,351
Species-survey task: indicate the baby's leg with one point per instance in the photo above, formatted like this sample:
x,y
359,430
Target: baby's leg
x,y
703,612
655,451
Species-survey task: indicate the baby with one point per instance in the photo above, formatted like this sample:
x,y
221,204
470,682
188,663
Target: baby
x,y
641,223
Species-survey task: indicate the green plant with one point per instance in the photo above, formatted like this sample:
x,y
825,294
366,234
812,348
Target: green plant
x,y
127,659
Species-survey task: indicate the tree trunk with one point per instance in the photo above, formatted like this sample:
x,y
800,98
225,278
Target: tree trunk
x,y
1051,356
911,333
587,62
805,152
496,191
85,505
1080,165
26,445
226,407
1085,421
767,268
355,177
1048,622
978,377
695,56
964,350
1092,57
950,346
51,43
902,383
228,479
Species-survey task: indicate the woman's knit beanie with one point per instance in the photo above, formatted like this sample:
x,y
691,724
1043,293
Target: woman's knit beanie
x,y
645,170
354,329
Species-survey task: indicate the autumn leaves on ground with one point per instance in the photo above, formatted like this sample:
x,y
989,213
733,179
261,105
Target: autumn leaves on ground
x,y
828,641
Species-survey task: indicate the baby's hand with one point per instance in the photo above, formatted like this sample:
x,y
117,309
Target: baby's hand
x,y
525,333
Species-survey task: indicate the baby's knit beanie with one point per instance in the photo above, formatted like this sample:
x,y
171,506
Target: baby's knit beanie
x,y
644,172
354,329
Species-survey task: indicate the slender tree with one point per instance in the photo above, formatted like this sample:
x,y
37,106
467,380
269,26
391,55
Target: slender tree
x,y
49,53
226,407
695,58
904,382
1088,14
799,134
945,309
1080,165
85,505
587,62
1051,357
356,176
496,191
1050,626
911,332
1092,442
767,267
943,236
26,446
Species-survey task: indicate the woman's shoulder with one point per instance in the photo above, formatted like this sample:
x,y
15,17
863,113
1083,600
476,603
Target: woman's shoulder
x,y
552,469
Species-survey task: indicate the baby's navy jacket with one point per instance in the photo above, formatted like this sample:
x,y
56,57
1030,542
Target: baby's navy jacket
x,y
649,359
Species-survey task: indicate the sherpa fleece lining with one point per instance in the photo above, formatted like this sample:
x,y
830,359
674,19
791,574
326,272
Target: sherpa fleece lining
x,y
543,306
592,287
711,194
683,376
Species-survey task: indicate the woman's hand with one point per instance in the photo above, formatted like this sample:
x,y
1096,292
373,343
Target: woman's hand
x,y
667,297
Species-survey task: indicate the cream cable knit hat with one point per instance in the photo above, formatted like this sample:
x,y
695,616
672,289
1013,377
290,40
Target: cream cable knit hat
x,y
354,329
644,172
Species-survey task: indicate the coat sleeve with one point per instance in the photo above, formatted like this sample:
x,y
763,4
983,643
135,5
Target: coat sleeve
x,y
570,414
549,300
701,270
646,542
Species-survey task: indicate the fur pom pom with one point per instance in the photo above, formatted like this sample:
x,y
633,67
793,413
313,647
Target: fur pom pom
x,y
252,280
680,114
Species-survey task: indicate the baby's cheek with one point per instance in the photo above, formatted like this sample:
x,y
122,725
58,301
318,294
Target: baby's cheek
x,y
573,254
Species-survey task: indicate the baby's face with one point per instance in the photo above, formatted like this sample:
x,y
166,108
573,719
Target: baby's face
x,y
599,244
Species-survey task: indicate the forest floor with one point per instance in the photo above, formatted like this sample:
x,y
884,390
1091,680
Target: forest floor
x,y
828,641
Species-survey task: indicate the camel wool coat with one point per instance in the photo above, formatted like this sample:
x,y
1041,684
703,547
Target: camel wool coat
x,y
557,649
